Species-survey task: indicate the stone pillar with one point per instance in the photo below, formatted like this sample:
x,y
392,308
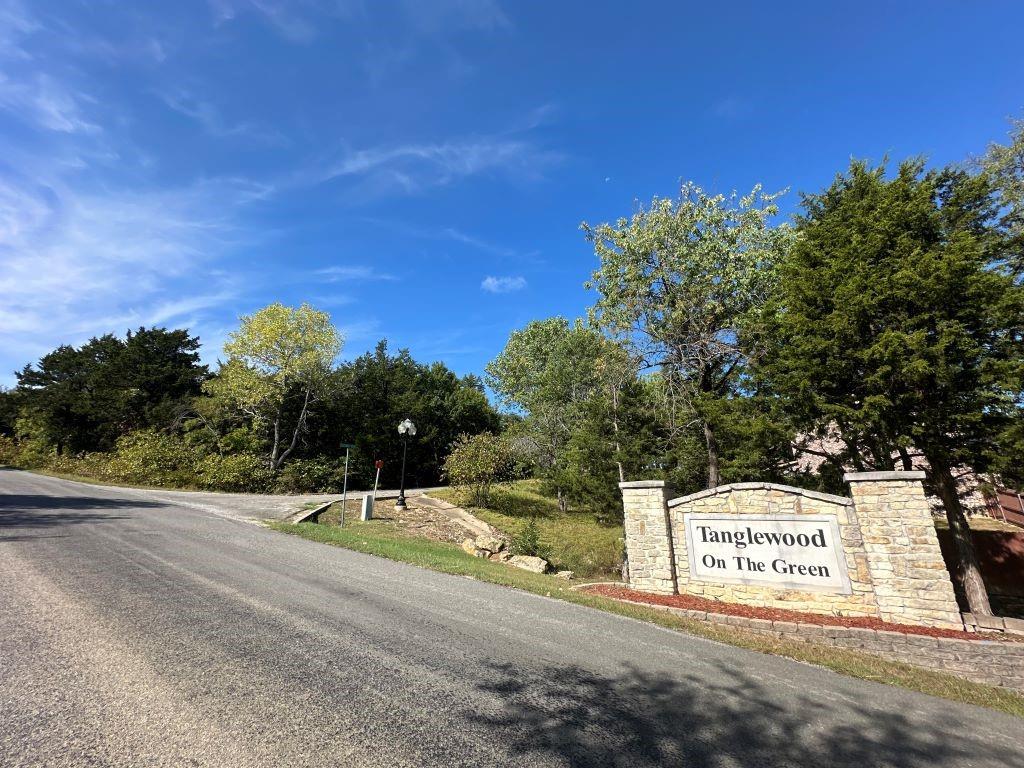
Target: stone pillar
x,y
912,585
652,565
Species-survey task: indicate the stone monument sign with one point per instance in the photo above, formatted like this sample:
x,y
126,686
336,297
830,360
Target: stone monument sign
x,y
874,553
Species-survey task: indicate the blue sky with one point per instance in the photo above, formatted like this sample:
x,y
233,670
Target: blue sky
x,y
420,169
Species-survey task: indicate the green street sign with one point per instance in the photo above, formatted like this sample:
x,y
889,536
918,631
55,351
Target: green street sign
x,y
348,445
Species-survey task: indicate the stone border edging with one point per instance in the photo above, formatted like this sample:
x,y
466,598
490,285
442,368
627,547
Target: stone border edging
x,y
996,623
982,661
844,500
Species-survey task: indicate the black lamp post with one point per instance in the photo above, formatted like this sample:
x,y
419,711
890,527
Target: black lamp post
x,y
406,429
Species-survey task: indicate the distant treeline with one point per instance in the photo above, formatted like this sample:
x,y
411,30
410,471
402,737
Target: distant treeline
x,y
143,409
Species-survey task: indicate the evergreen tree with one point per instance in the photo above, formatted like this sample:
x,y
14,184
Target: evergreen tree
x,y
83,399
893,330
373,393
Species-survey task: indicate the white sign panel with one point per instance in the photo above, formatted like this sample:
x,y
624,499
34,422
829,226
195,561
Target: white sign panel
x,y
803,552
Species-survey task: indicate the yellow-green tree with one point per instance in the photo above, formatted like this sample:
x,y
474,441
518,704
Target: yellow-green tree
x,y
677,285
278,366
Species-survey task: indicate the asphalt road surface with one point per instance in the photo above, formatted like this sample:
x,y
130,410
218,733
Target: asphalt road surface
x,y
139,631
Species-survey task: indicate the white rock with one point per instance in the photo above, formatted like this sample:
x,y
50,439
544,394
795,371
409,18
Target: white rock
x,y
490,543
527,563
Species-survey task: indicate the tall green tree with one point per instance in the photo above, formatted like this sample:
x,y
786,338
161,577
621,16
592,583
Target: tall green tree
x,y
579,394
161,373
1003,165
677,283
547,372
893,330
279,365
373,393
8,411
83,399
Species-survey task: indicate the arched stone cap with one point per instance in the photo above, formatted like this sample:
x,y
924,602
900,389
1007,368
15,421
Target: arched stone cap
x,y
722,489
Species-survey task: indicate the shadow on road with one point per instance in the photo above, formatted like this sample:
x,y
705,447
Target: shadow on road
x,y
722,717
39,510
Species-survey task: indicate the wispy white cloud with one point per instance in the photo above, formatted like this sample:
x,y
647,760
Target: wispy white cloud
x,y
413,167
493,284
296,22
453,234
299,21
210,119
359,334
45,103
73,265
16,23
339,273
479,243
188,306
443,15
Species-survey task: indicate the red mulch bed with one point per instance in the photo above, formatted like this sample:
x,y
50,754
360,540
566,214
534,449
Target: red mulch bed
x,y
694,603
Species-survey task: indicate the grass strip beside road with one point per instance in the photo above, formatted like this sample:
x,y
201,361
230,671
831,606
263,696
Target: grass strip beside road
x,y
374,539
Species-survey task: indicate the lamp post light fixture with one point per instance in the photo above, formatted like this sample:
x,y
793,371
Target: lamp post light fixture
x,y
406,429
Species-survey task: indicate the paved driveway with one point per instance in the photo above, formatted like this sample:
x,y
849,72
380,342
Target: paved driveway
x,y
138,630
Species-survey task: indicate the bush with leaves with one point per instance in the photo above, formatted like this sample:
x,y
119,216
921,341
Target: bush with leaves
x,y
93,465
153,458
310,476
8,451
527,541
477,462
243,472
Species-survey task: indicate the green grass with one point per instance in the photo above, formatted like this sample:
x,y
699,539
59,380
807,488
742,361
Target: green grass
x,y
376,539
575,540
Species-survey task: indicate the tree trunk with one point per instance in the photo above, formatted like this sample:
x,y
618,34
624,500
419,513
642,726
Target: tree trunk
x,y
277,441
714,476
908,463
295,433
970,572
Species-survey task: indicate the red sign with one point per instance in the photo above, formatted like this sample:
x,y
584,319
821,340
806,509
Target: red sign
x,y
378,463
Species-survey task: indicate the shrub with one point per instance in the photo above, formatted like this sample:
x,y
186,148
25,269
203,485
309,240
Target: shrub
x,y
33,453
309,476
8,451
235,472
477,462
152,458
94,465
527,541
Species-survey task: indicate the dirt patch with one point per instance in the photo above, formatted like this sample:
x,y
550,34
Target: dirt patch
x,y
693,603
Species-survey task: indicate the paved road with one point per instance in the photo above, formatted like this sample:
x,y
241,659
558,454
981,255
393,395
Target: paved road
x,y
139,632
250,506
